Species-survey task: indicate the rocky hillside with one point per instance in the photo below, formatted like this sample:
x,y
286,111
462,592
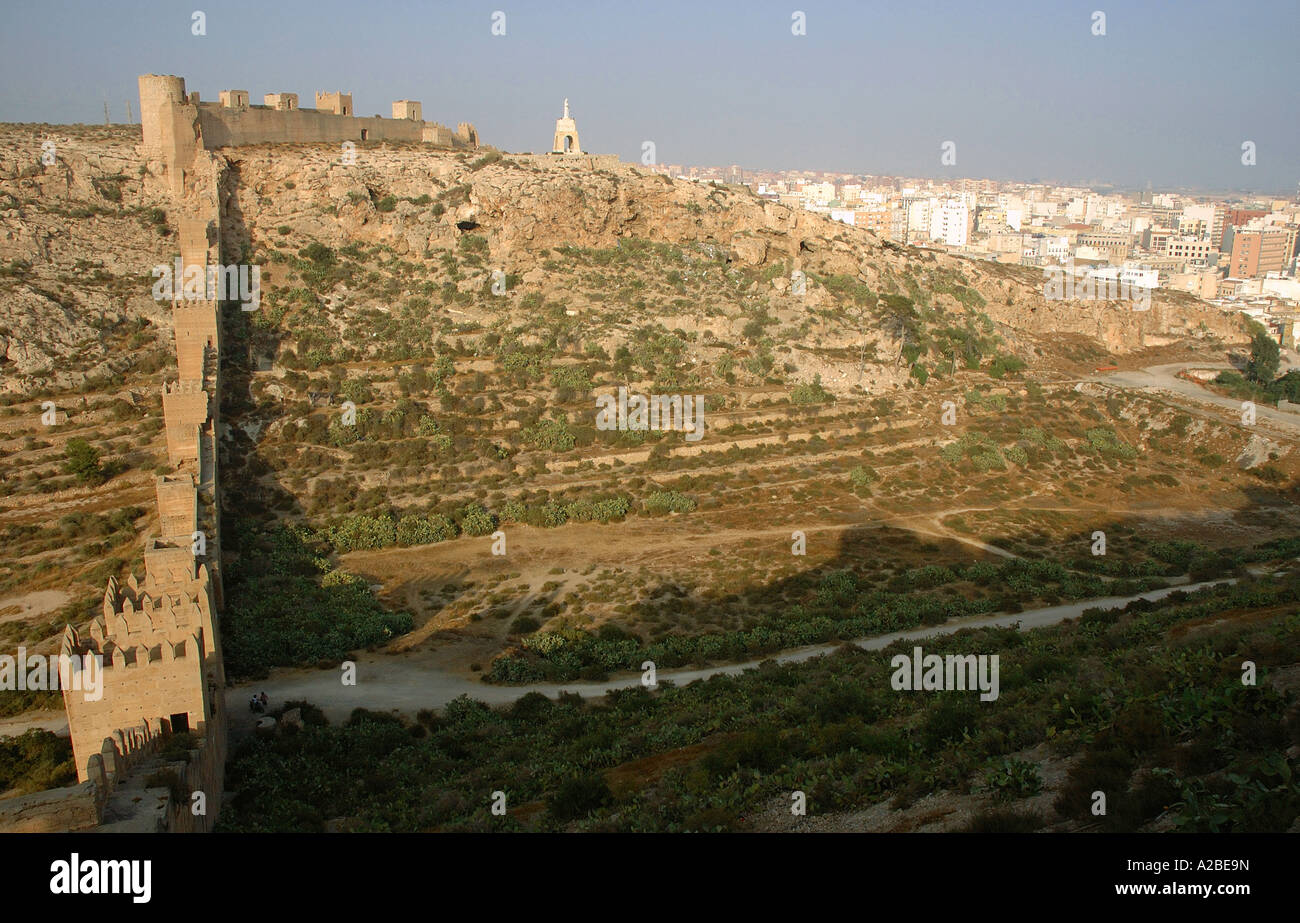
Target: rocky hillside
x,y
78,239
530,217
79,236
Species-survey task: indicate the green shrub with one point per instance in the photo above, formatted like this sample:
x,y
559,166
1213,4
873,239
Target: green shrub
x,y
668,501
1011,778
475,520
862,475
578,797
811,392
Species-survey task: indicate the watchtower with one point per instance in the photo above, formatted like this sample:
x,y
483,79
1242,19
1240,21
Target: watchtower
x,y
408,109
337,103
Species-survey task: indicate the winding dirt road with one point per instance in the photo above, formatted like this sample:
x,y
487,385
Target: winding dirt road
x,y
407,683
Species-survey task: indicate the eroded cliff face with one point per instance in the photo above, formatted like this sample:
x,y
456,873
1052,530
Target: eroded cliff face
x,y
79,237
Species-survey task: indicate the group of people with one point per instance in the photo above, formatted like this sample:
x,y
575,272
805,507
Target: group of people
x,y
257,703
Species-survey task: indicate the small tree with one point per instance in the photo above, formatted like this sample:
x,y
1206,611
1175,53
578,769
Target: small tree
x,y
83,461
1264,357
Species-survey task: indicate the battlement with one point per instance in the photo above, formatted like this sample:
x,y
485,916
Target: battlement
x,y
184,387
153,646
157,606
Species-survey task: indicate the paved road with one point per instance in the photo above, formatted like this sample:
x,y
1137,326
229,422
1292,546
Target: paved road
x,y
407,683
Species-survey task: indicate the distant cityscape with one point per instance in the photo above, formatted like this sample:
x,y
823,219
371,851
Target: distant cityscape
x,y
1240,254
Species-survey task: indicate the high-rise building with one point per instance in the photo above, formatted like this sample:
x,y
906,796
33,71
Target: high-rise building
x,y
1259,250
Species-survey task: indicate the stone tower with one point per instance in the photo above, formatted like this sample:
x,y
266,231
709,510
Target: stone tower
x,y
169,127
566,134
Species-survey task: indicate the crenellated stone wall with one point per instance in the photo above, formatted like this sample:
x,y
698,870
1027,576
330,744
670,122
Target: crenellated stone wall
x,y
175,124
158,638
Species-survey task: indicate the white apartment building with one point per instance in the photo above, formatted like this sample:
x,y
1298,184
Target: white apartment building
x,y
818,193
950,223
1048,247
918,216
1196,221
1128,274
1084,209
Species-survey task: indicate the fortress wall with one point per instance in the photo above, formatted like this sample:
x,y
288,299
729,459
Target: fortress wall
x,y
172,640
223,127
205,772
178,508
166,628
581,161
137,694
184,442
196,326
122,755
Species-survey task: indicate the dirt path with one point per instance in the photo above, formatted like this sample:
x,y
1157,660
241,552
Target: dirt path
x,y
56,721
1165,378
406,683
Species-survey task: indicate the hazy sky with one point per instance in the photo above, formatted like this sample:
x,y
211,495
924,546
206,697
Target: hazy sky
x,y
1024,89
